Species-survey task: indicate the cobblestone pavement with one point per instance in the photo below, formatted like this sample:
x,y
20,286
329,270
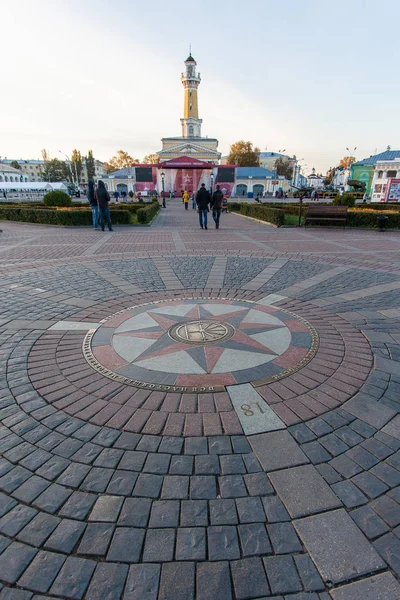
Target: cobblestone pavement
x,y
207,415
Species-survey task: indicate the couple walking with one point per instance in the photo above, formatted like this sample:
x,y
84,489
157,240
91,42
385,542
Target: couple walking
x,y
203,199
99,199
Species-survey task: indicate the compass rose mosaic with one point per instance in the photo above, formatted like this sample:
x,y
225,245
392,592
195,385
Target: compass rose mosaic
x,y
200,344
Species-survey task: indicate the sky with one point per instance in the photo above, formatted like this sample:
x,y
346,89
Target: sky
x,y
311,77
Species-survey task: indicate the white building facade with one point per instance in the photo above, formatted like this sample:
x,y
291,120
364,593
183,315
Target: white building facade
x,y
385,185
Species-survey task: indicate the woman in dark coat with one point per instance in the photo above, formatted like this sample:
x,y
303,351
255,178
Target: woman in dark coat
x,y
103,198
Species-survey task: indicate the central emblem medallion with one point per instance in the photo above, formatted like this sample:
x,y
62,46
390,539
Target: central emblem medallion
x,y
204,331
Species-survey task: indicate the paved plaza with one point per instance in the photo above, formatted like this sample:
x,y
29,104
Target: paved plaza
x,y
199,415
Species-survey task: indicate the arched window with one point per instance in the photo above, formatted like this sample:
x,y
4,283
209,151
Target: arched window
x,y
11,178
190,107
191,131
6,178
1,178
380,174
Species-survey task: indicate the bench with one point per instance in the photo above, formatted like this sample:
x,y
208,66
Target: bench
x,y
326,212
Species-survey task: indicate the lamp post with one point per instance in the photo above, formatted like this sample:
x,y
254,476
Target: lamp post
x,y
163,191
250,190
212,182
70,168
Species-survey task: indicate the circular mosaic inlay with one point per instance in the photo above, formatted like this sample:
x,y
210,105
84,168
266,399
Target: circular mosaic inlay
x,y
200,344
201,332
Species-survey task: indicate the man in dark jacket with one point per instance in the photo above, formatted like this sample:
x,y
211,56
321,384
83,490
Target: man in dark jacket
x,y
202,201
103,198
91,196
216,204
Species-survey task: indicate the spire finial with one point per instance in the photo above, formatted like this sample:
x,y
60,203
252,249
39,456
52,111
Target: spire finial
x,y
190,49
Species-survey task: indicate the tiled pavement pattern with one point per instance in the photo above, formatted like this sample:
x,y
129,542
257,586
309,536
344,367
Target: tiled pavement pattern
x,y
180,504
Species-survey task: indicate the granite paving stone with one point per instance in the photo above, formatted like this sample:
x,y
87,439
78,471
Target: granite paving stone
x,y
177,581
73,579
108,581
213,581
337,547
303,491
42,571
282,574
222,543
14,560
254,539
249,579
96,539
142,582
126,545
388,547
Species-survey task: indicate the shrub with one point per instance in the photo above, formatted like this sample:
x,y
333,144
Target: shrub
x,y
146,214
345,200
57,198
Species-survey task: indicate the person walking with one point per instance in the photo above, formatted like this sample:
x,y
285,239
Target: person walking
x,y
216,205
103,198
185,198
202,201
193,199
91,196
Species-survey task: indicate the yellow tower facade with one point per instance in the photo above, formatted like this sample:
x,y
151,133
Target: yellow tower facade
x,y
191,124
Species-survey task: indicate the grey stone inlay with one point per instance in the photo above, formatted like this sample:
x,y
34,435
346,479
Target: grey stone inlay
x,y
277,450
378,587
167,274
217,273
337,547
303,491
254,413
298,288
290,274
73,326
266,274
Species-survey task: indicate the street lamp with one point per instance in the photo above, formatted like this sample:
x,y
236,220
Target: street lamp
x,y
163,192
212,182
69,164
351,152
250,190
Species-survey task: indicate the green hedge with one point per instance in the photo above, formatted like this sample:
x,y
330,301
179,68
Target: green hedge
x,y
59,217
258,211
146,214
368,218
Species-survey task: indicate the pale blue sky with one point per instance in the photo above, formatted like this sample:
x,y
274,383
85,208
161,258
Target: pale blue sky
x,y
313,76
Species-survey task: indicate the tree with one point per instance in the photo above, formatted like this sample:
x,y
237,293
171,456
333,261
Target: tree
x,y
284,167
329,176
244,155
90,167
151,159
76,164
15,165
56,170
120,160
45,155
347,161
